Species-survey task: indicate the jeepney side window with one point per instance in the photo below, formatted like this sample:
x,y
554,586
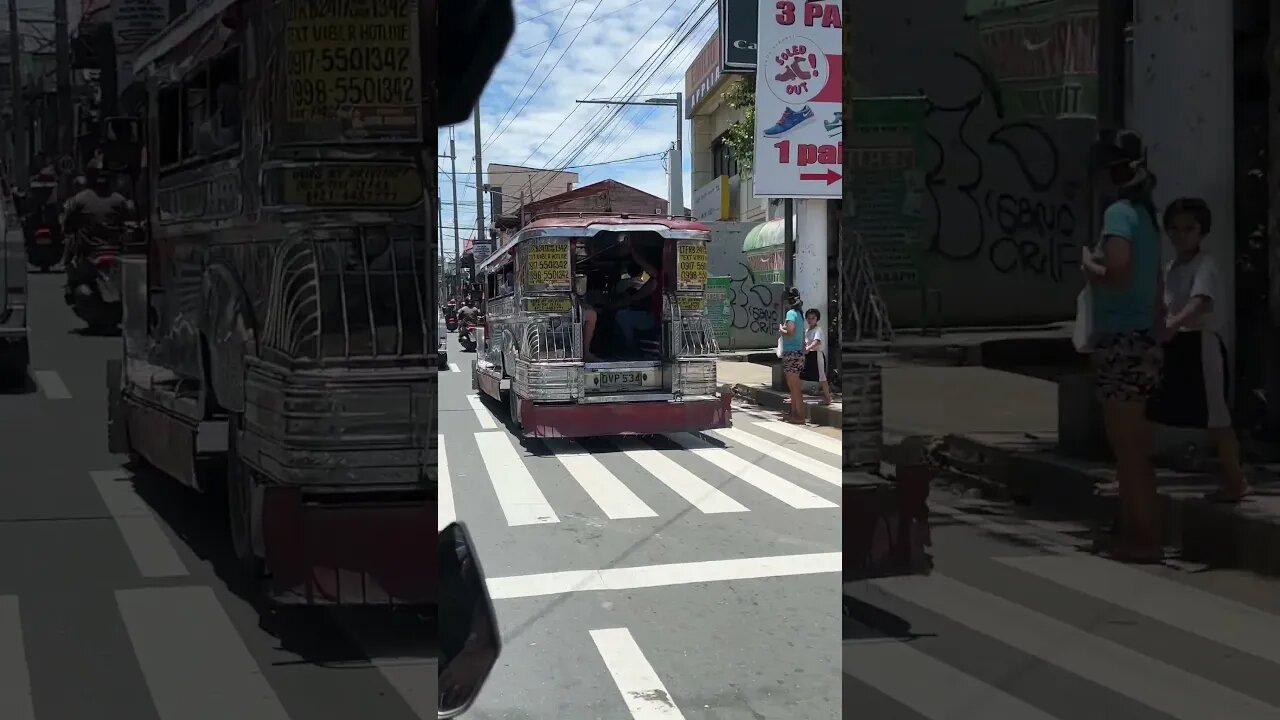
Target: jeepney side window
x,y
195,112
169,105
224,112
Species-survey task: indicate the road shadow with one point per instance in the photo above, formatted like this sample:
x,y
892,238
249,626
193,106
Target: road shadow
x,y
95,332
318,635
864,621
22,384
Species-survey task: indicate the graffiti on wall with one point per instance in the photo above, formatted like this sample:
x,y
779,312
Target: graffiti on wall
x,y
1029,221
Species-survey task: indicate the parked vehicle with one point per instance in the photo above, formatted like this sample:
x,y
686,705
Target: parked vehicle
x,y
442,342
45,242
283,291
543,287
15,353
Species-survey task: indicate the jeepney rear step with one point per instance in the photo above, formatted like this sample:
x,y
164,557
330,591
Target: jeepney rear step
x,y
343,549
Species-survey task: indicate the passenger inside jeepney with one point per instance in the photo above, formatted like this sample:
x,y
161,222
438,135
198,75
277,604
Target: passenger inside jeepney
x,y
623,285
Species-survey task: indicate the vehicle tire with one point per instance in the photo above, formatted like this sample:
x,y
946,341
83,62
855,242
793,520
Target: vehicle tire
x,y
239,497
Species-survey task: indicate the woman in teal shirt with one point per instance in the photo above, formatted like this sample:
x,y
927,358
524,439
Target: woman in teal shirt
x,y
792,333
1128,328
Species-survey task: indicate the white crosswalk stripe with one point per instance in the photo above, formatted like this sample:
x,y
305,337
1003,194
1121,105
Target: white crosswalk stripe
x,y
620,486
899,669
446,512
641,688
486,418
15,678
808,437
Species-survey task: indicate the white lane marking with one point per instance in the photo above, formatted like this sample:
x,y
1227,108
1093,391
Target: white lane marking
x,y
648,576
521,500
152,551
15,676
763,480
1165,688
191,654
835,446
485,417
816,468
1223,621
696,491
642,690
51,385
615,499
446,512
453,367
900,671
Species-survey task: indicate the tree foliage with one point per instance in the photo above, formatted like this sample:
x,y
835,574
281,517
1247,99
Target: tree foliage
x,y
741,135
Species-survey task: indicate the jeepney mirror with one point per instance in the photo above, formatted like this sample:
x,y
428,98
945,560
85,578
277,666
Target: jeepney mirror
x,y
467,625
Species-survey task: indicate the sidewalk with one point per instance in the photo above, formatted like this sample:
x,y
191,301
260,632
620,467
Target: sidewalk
x,y
999,431
753,382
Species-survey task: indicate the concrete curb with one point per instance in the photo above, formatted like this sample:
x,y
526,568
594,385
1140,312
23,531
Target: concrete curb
x,y
773,400
1220,535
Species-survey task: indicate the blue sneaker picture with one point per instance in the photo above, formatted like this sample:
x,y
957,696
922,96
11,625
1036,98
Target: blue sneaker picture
x,y
790,120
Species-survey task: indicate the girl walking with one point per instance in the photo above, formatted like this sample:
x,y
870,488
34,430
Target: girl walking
x,y
1194,384
813,347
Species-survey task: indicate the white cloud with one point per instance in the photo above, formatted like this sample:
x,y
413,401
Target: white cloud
x,y
606,40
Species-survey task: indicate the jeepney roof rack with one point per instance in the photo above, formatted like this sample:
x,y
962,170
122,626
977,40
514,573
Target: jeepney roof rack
x,y
622,216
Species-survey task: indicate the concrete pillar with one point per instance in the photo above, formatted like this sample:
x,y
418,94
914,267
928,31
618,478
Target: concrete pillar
x,y
1183,104
811,255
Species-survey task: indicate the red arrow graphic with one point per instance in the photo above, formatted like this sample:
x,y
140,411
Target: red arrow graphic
x,y
831,176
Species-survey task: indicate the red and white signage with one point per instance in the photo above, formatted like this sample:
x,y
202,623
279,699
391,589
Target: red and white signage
x,y
799,123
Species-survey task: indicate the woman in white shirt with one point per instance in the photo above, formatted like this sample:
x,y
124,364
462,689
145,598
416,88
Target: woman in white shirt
x,y
1194,381
813,344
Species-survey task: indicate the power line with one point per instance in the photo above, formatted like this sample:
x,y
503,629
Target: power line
x,y
516,98
548,75
611,12
621,57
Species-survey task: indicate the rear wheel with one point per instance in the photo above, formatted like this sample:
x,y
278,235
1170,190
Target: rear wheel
x,y
239,495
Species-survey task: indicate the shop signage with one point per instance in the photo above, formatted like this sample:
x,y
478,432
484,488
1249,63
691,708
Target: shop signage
x,y
702,75
738,31
711,201
798,147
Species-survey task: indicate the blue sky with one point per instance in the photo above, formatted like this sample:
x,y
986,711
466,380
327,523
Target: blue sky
x,y
587,52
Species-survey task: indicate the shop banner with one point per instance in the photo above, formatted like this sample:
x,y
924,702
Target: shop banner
x,y
798,148
887,191
738,32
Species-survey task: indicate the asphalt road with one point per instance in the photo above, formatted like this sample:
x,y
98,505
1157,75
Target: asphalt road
x,y
159,627
1020,622
651,580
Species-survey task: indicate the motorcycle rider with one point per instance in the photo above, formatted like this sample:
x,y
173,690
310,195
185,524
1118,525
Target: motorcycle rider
x,y
39,203
95,221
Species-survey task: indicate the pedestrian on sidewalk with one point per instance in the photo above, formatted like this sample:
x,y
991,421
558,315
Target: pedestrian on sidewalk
x,y
792,346
815,354
1126,277
1194,381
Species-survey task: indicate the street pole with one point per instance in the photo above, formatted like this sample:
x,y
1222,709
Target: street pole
x,y
676,189
453,176
62,46
481,235
440,244
20,152
789,245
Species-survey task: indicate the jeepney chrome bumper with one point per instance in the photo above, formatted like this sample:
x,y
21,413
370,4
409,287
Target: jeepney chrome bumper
x,y
573,420
349,550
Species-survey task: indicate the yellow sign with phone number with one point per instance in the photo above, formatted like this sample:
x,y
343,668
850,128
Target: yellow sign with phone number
x,y
548,265
692,261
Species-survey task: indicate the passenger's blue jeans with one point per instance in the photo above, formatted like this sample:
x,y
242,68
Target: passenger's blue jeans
x,y
630,323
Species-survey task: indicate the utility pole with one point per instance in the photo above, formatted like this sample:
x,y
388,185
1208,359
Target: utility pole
x,y
62,46
481,235
677,167
20,153
440,218
453,176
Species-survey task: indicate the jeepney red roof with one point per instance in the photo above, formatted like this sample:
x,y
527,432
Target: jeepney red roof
x,y
588,220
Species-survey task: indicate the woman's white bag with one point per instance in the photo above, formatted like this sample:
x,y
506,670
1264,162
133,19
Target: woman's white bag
x,y
1082,335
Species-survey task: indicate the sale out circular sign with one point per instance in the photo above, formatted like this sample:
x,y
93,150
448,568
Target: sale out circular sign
x,y
798,70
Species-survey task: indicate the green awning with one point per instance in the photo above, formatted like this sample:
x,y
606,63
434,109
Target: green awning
x,y
765,236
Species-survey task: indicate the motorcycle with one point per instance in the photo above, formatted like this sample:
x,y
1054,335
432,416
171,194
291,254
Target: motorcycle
x,y
467,337
466,623
42,233
451,321
93,290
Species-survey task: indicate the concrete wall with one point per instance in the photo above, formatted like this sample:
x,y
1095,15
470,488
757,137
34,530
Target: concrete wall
x,y
754,305
712,119
1007,200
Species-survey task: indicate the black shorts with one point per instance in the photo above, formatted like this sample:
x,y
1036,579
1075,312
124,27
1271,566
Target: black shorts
x,y
1194,383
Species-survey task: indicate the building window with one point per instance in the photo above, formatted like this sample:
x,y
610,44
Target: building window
x,y
722,161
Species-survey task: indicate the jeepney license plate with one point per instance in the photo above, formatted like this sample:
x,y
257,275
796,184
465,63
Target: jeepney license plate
x,y
626,380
